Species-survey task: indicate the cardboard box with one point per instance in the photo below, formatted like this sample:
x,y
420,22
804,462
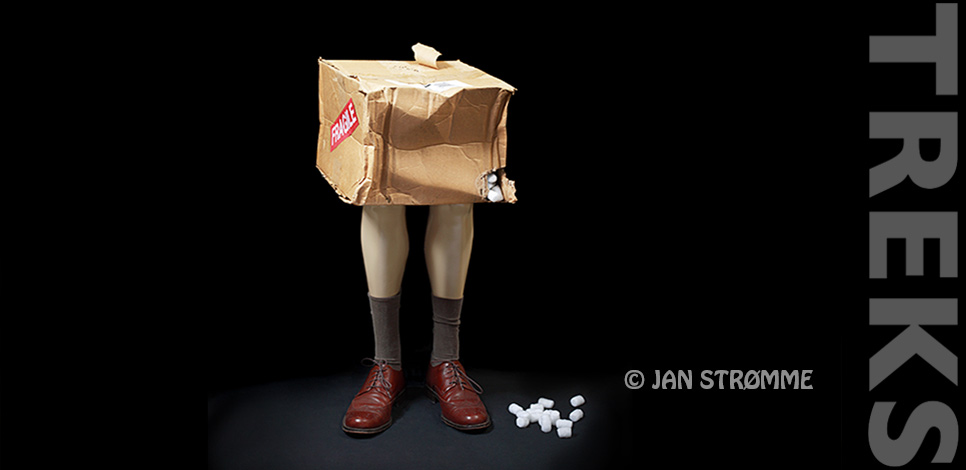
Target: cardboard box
x,y
400,132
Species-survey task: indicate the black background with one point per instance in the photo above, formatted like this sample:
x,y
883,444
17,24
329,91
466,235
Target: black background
x,y
692,188
690,197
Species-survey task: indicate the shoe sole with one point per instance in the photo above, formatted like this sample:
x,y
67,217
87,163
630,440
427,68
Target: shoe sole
x,y
367,431
462,427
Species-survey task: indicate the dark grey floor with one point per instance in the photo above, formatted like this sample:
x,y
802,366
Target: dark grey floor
x,y
295,424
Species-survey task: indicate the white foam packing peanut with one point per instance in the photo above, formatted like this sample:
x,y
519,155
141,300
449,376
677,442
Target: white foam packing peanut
x,y
564,432
563,423
554,415
514,408
575,415
534,415
546,403
577,400
495,194
491,178
522,422
545,423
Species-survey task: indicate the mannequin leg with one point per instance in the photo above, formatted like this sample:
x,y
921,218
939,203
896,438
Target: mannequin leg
x,y
385,247
449,240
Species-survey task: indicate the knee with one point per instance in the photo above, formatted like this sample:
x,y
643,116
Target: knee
x,y
381,214
453,211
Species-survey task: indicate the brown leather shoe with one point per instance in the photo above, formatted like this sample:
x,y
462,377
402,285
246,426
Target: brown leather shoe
x,y
371,410
458,396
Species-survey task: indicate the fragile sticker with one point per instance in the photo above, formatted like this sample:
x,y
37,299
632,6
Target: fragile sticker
x,y
343,125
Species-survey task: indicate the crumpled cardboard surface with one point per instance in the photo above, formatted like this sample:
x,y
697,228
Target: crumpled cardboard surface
x,y
413,134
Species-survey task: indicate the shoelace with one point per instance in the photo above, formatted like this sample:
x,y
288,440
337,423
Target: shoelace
x,y
379,380
460,375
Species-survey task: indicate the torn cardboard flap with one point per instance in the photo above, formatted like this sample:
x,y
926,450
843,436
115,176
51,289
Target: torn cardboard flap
x,y
373,75
425,55
396,132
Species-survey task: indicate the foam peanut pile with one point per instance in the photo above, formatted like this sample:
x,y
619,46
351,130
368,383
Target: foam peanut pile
x,y
542,412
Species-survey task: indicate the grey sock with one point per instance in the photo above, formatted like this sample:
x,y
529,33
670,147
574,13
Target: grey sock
x,y
385,329
446,330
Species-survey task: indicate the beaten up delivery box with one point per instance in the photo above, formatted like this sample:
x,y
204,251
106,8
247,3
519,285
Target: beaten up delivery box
x,y
400,132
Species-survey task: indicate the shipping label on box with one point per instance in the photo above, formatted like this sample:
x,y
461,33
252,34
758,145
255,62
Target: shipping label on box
x,y
399,132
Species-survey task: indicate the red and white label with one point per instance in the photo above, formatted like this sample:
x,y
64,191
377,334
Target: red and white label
x,y
343,125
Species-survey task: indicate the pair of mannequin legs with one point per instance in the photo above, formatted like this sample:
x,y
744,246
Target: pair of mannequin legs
x,y
385,249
